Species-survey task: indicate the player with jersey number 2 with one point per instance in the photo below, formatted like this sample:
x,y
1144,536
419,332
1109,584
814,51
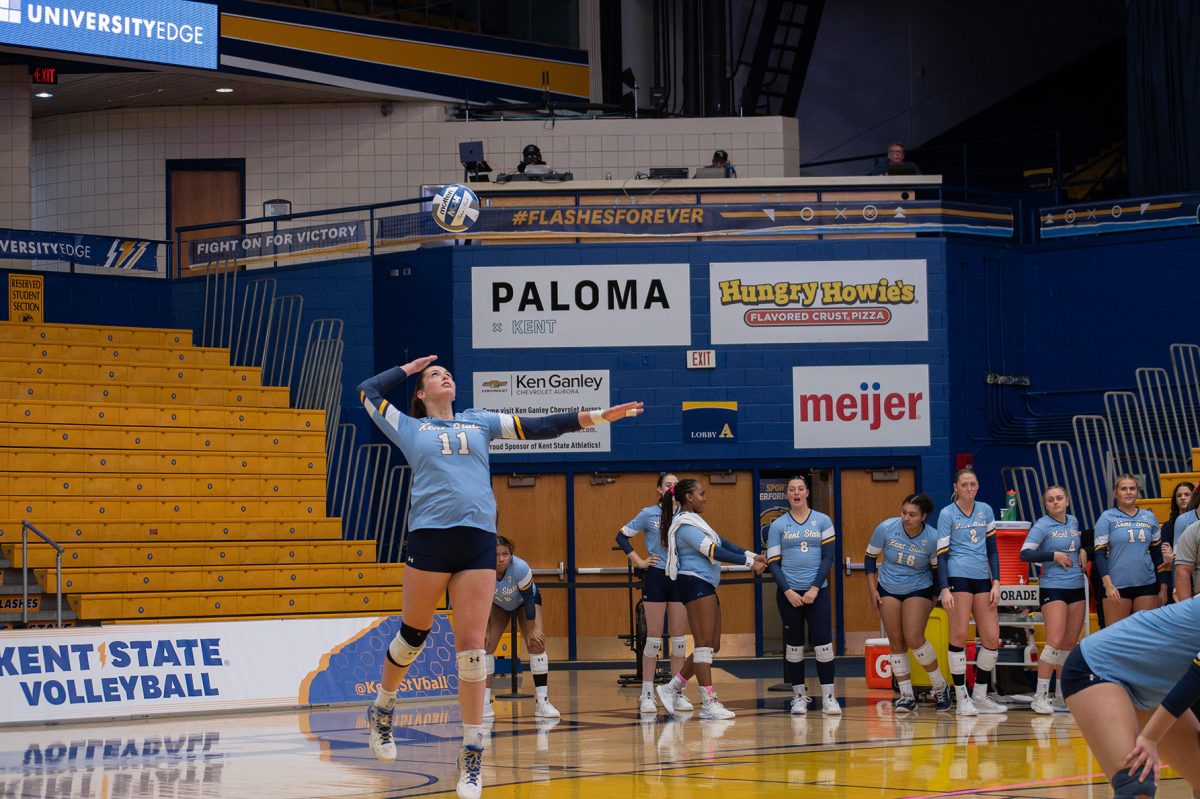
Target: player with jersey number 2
x,y
451,542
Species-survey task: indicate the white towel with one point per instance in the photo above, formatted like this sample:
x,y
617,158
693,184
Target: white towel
x,y
695,520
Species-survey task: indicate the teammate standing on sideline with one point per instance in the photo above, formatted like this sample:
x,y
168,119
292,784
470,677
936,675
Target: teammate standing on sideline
x,y
800,555
1134,690
656,597
903,592
967,543
452,535
1181,499
1054,542
694,552
1128,555
515,590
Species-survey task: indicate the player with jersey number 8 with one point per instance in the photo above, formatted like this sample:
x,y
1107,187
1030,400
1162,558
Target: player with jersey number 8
x,y
451,542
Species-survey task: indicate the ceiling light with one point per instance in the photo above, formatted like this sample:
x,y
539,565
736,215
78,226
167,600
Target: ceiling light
x,y
224,90
43,95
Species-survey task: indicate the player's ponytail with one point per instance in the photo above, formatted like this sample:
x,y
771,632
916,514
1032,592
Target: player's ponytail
x,y
666,504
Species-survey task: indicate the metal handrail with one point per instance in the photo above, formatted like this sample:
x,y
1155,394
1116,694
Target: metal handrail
x,y
58,553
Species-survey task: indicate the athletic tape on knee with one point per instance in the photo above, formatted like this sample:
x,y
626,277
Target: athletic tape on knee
x,y
795,654
471,665
1126,786
925,654
678,646
539,664
490,665
824,653
407,644
1052,655
986,659
900,668
702,654
653,648
958,660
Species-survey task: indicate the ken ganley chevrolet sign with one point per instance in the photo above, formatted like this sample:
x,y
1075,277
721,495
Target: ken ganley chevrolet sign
x,y
162,31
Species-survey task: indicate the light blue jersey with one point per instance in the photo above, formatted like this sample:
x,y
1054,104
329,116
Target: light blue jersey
x,y
1128,539
796,546
1185,520
649,521
517,577
908,561
694,550
1147,652
1048,535
962,540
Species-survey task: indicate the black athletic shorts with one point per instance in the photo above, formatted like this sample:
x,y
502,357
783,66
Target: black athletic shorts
x,y
451,550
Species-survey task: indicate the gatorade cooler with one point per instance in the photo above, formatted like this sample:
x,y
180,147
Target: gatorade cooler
x,y
879,663
1010,536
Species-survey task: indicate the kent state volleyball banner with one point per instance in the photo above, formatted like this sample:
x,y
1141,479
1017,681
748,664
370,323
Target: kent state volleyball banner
x,y
542,393
136,670
105,251
592,305
725,221
802,302
854,407
278,245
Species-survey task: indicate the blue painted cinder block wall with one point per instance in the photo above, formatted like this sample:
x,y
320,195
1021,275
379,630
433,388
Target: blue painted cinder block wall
x,y
118,299
758,377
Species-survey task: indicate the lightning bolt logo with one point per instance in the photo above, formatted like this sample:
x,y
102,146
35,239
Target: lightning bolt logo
x,y
103,653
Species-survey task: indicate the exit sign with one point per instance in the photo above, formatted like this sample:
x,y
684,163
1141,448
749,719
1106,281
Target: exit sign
x,y
702,359
46,75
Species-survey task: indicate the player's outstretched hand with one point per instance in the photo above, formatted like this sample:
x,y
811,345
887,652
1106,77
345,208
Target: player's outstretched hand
x,y
623,410
415,367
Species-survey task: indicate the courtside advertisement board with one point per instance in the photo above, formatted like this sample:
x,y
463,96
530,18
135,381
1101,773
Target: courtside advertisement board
x,y
808,302
175,32
526,393
853,407
159,669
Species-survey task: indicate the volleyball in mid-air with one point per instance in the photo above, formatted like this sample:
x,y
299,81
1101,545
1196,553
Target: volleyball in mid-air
x,y
455,208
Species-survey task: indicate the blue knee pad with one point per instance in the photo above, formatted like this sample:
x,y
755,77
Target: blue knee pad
x,y
1126,786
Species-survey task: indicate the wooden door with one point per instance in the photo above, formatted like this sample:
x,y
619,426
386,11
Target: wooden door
x,y
535,519
198,195
605,504
866,501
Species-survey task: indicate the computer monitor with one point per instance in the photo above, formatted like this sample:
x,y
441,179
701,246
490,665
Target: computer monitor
x,y
711,172
903,168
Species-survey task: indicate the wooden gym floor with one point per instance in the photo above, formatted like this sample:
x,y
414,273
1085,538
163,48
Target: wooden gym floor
x,y
600,748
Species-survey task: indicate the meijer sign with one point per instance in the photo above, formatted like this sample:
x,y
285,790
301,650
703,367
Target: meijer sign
x,y
852,407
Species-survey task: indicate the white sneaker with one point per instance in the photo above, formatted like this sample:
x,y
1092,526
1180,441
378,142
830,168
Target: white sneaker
x,y
985,705
544,710
646,703
966,708
712,709
682,704
1060,705
798,706
830,706
1041,704
379,723
667,695
489,710
470,766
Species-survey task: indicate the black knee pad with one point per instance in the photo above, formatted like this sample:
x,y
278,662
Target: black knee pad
x,y
1126,786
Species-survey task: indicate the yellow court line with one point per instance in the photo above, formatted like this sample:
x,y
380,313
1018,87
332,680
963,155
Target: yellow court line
x,y
513,70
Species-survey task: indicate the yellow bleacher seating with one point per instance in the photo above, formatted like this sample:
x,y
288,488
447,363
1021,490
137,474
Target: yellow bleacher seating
x,y
180,486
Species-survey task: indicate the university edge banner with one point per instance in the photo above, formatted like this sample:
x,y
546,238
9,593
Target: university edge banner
x,y
79,248
139,670
805,302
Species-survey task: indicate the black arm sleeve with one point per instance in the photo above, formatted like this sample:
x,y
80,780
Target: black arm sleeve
x,y
732,547
1186,692
529,595
624,543
825,568
993,556
1101,559
1037,555
943,577
532,428
870,563
1156,557
726,553
777,574
377,387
